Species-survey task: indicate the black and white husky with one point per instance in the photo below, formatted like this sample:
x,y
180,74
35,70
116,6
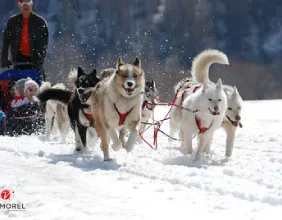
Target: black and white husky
x,y
149,103
78,103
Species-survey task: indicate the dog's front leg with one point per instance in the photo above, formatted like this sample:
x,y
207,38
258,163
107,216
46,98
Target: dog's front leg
x,y
203,141
186,142
230,139
78,143
132,136
102,133
116,142
208,146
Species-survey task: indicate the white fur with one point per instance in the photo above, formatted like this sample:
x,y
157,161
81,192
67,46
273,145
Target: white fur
x,y
56,112
203,100
234,100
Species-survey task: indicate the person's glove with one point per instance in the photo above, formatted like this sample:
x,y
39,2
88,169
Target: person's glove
x,y
6,63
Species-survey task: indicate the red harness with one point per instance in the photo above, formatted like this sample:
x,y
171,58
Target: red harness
x,y
199,124
88,116
122,116
185,91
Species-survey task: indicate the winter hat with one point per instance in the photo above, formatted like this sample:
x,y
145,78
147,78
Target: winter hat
x,y
20,85
30,83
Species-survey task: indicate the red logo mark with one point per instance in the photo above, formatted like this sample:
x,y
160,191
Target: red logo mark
x,y
7,194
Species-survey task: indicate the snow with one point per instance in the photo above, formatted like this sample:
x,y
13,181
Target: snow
x,y
53,182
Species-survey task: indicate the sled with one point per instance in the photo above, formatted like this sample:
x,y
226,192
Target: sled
x,y
24,120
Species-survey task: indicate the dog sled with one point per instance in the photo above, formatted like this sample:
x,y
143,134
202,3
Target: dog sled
x,y
26,119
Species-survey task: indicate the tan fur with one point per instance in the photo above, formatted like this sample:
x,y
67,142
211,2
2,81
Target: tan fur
x,y
111,92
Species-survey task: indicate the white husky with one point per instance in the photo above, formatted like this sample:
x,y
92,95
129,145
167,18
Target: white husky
x,y
56,114
185,87
205,105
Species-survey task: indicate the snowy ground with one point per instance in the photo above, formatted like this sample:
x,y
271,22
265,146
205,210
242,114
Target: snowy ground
x,y
53,183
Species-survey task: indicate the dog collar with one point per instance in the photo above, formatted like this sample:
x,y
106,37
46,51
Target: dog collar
x,y
235,123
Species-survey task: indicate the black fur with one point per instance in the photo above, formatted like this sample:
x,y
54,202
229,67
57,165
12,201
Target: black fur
x,y
55,94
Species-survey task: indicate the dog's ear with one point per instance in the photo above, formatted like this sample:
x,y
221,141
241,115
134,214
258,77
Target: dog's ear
x,y
235,92
137,62
120,62
226,91
94,73
79,72
219,84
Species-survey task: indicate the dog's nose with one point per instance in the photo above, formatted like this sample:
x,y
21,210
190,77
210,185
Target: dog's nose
x,y
237,117
130,84
216,108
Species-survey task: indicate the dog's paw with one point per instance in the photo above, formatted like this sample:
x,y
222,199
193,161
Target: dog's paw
x,y
108,159
186,151
131,141
198,156
116,146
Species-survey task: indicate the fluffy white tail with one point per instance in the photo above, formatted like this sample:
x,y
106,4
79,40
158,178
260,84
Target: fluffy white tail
x,y
73,76
203,61
44,86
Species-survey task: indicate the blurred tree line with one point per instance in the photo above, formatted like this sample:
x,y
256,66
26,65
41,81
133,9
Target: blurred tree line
x,y
166,35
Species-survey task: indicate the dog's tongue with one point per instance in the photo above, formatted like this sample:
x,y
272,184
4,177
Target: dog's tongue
x,y
129,91
236,123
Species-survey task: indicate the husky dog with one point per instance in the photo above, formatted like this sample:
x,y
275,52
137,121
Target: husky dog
x,y
116,102
204,106
78,103
232,117
56,117
149,103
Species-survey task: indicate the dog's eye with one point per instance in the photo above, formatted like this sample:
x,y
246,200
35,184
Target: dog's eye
x,y
229,108
210,100
219,100
239,107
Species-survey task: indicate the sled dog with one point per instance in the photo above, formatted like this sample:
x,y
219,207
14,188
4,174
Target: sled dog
x,y
204,105
232,115
56,116
78,103
116,102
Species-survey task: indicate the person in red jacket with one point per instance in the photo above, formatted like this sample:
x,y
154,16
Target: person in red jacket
x,y
26,36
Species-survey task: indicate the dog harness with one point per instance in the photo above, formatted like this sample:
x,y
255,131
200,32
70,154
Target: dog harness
x,y
122,116
88,116
235,123
148,105
185,91
199,124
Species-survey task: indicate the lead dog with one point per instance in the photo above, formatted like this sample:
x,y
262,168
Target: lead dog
x,y
116,102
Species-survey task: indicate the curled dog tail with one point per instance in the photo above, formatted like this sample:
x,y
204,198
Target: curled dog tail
x,y
203,61
73,76
60,95
44,86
